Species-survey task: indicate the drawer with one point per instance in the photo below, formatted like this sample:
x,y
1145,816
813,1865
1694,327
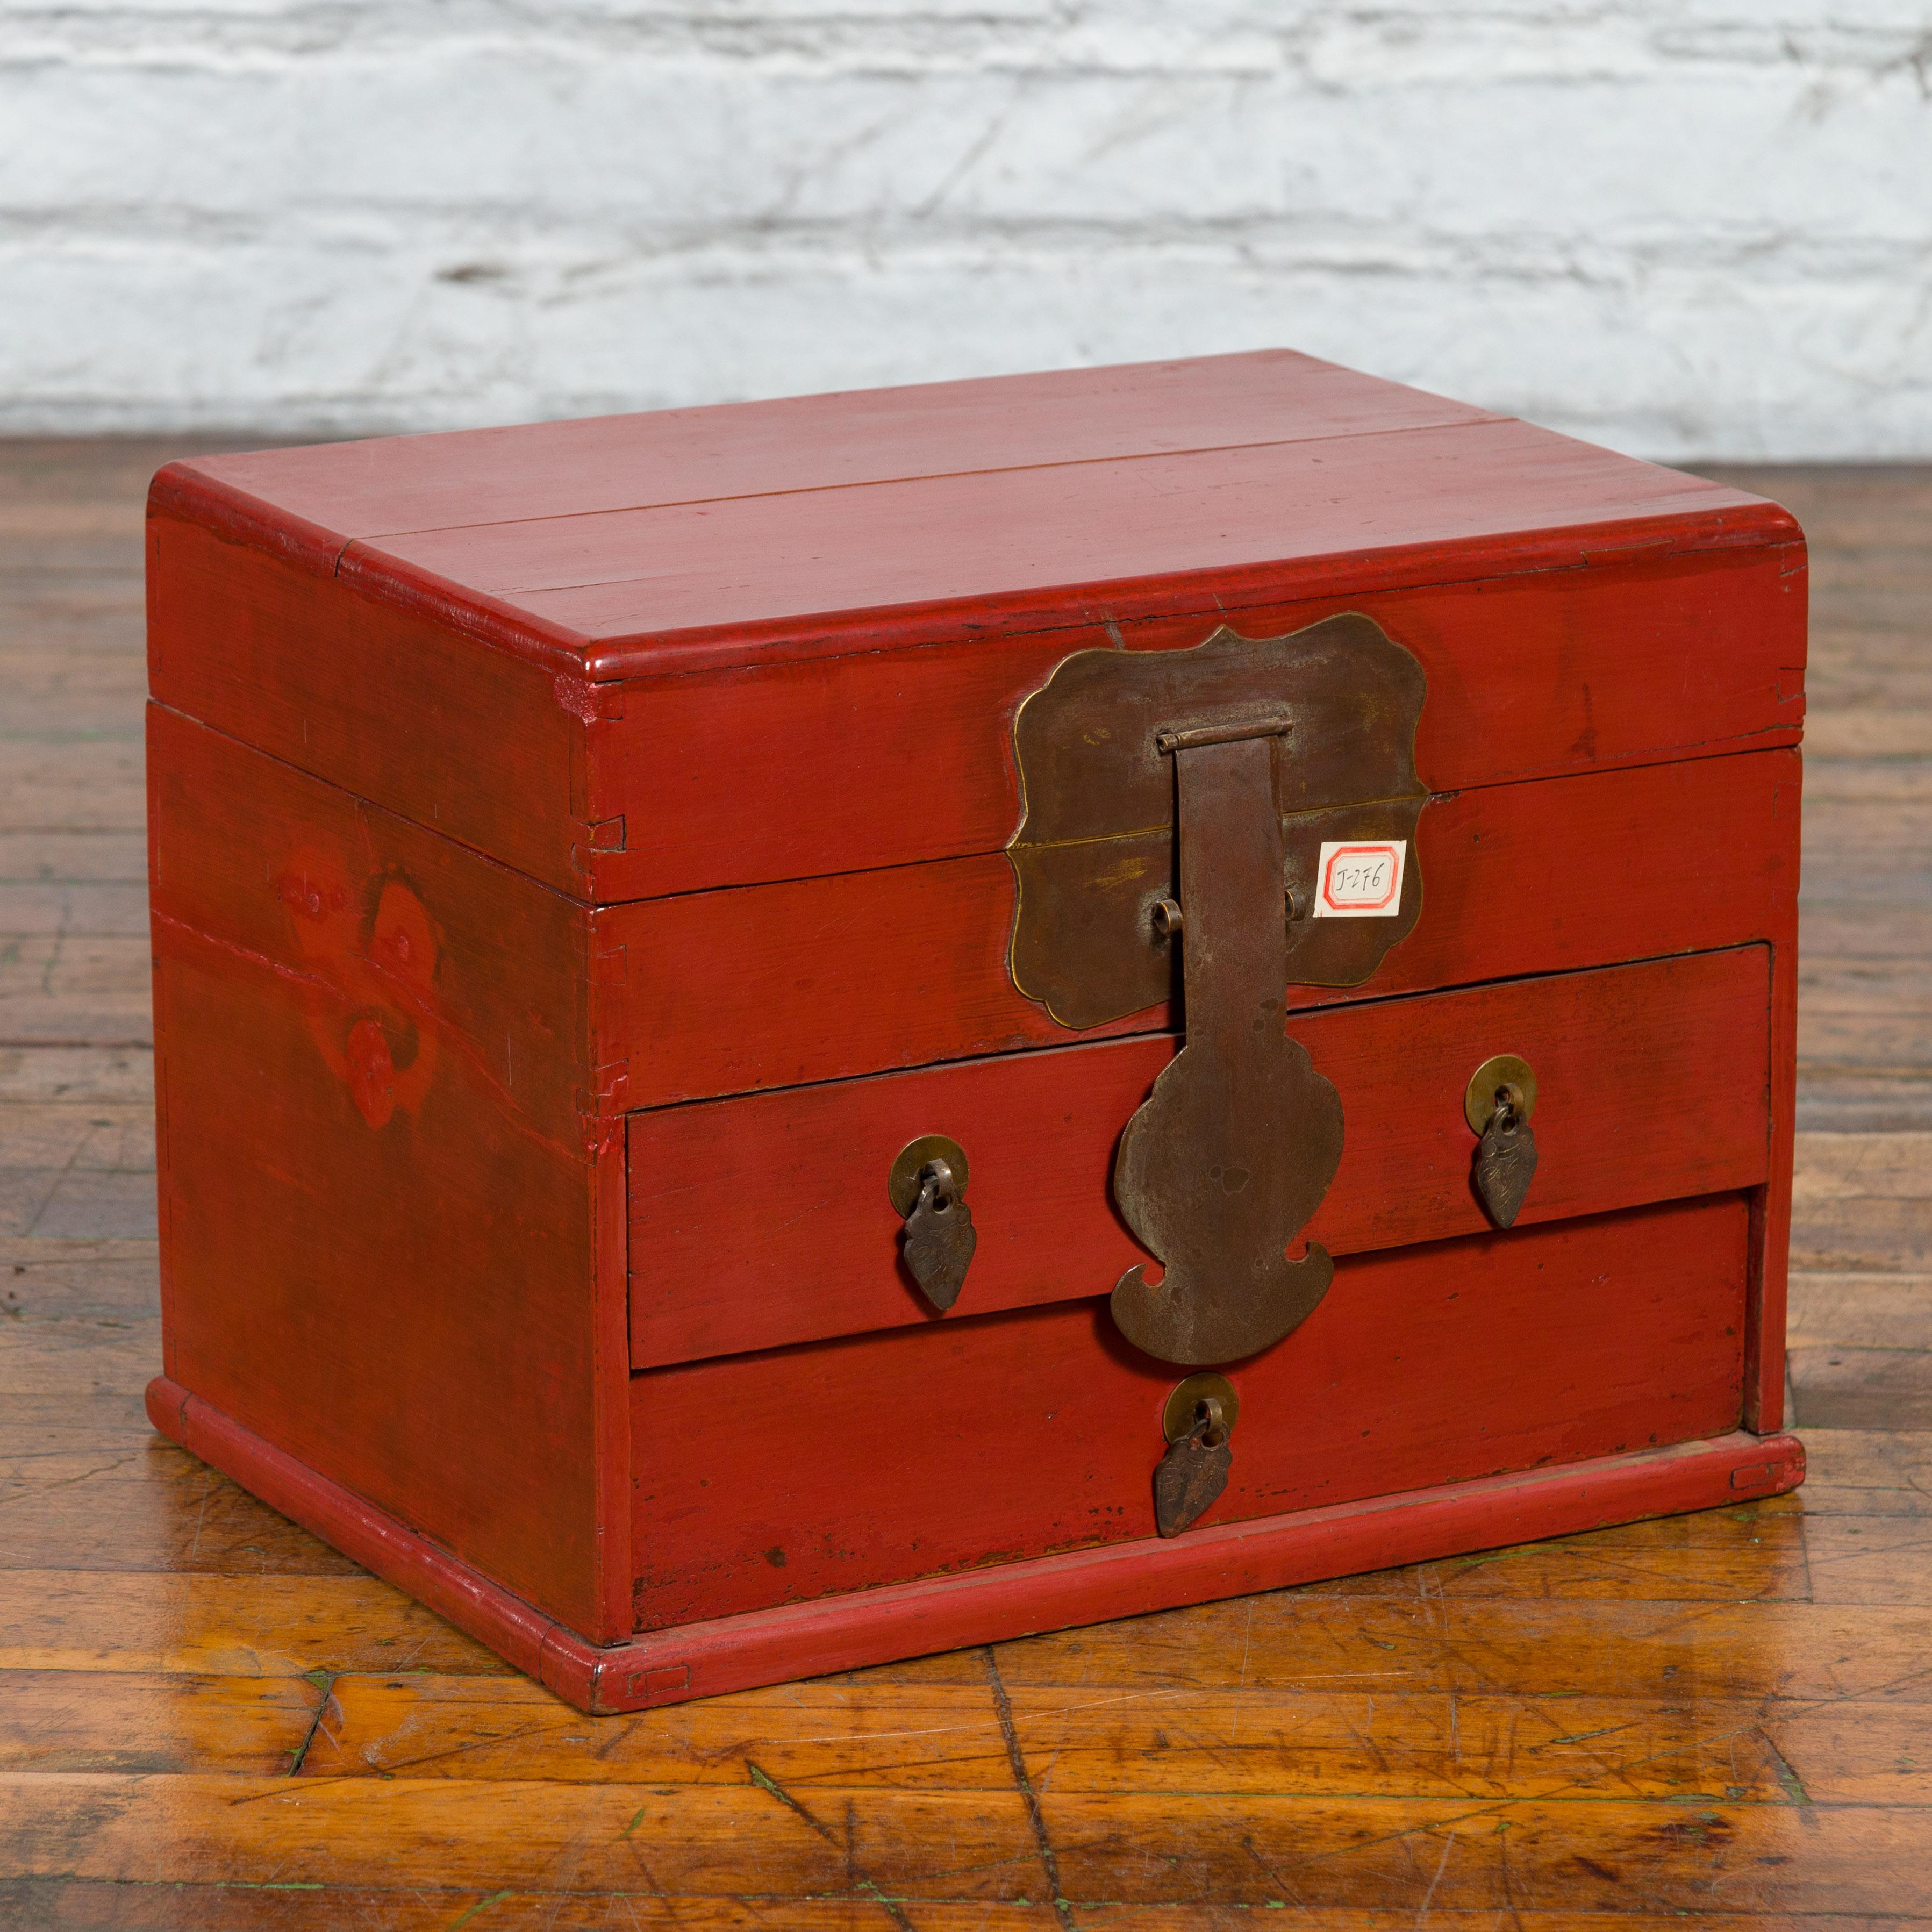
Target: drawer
x,y
782,985
777,1478
763,1221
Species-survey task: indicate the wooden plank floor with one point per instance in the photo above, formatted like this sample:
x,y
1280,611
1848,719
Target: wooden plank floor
x,y
208,1719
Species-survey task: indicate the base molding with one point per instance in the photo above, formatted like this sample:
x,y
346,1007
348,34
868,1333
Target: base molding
x,y
1014,1599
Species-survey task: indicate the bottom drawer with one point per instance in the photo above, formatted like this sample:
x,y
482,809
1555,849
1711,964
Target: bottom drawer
x,y
779,1477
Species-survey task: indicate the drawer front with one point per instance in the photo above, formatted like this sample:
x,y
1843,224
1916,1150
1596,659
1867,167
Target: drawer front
x,y
763,1221
779,985
762,1479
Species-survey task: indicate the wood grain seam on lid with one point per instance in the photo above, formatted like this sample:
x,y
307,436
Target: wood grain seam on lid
x,y
1668,495
1023,409
946,476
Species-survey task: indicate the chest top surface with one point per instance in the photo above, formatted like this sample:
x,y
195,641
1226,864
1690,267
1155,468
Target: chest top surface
x,y
688,539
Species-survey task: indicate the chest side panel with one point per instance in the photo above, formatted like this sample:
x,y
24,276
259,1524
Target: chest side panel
x,y
377,1200
396,707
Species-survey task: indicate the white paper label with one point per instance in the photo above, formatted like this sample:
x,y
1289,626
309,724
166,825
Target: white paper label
x,y
1360,878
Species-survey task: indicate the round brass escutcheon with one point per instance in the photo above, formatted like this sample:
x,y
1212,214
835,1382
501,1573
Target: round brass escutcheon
x,y
1501,1069
902,1183
1177,1416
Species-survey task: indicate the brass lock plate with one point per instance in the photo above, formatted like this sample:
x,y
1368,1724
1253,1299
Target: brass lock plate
x,y
1190,817
1177,1412
1500,1069
1230,1154
1097,847
902,1181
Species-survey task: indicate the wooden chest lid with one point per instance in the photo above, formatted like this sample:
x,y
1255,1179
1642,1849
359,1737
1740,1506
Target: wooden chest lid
x,y
692,539
657,654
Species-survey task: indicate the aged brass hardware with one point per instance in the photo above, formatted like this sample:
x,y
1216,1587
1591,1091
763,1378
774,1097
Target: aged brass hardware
x,y
1096,848
1220,734
1278,746
927,1178
1232,1151
1506,1154
1479,1097
940,1237
902,1182
1177,1414
1194,1471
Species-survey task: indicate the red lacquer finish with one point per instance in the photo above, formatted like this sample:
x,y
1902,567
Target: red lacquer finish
x,y
989,1605
1653,1084
1616,661
358,491
848,1464
673,783
379,1204
777,985
578,866
694,586
691,625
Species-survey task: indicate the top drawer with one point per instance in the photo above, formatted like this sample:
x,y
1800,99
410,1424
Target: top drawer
x,y
764,1221
781,985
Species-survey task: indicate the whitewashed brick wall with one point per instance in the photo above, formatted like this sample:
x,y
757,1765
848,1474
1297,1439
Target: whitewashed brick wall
x,y
1683,227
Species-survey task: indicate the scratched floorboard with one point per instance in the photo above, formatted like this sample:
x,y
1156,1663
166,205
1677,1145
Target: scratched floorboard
x,y
208,1719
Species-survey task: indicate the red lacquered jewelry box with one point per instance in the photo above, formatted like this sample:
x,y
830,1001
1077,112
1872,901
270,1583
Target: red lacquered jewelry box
x,y
794,1033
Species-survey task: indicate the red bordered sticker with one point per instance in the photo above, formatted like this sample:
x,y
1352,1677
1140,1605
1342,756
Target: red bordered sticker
x,y
1360,879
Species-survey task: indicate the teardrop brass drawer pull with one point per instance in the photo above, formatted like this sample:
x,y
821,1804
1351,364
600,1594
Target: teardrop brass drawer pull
x,y
1198,1421
926,1186
1499,1100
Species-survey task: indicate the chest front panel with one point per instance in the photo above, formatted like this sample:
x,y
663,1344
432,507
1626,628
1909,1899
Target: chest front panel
x,y
1568,926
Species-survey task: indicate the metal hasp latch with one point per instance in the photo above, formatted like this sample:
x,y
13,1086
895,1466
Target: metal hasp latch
x,y
1235,1148
1189,802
